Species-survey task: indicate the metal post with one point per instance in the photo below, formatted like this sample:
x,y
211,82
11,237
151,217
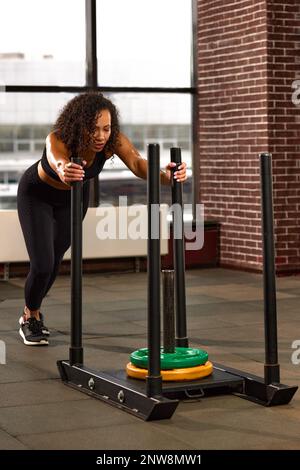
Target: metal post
x,y
195,108
271,368
168,311
91,75
76,350
179,261
153,380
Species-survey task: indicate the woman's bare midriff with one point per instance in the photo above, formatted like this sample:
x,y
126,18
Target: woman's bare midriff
x,y
59,184
51,181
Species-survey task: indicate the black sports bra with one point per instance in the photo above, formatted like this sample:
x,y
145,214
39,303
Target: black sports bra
x,y
90,172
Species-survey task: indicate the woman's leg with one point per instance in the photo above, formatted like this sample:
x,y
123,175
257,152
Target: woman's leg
x,y
62,233
36,219
62,240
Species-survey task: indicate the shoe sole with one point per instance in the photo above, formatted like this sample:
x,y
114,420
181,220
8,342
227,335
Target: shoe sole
x,y
43,342
45,332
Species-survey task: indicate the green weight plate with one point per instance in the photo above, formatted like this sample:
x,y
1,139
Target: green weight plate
x,y
181,358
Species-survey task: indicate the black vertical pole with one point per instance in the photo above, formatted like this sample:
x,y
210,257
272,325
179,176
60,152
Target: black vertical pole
x,y
179,261
76,350
153,380
91,75
168,311
195,107
272,373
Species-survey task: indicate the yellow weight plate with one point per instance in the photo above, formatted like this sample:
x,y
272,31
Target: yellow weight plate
x,y
189,373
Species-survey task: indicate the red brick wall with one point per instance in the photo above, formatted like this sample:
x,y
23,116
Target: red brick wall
x,y
284,127
244,55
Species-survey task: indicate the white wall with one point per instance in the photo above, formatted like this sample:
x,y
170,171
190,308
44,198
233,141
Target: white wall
x,y
13,249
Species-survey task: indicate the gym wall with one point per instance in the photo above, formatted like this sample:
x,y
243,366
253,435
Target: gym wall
x,y
247,65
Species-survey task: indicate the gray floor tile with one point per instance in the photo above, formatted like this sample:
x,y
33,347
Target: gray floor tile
x,y
144,436
61,416
8,442
40,391
245,425
225,317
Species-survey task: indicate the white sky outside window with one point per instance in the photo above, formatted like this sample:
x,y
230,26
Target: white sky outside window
x,y
144,43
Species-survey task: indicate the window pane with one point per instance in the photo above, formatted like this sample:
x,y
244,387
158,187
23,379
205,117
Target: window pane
x,y
25,121
42,43
145,118
144,43
148,118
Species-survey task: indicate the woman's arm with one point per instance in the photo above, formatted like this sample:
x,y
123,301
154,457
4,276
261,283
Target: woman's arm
x,y
138,165
58,157
57,152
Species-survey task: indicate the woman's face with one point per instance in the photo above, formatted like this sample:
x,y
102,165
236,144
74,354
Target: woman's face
x,y
102,131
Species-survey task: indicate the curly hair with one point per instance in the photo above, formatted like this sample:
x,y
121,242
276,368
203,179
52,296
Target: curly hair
x,y
76,122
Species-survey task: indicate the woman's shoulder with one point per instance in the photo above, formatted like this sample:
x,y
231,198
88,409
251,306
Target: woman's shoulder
x,y
55,144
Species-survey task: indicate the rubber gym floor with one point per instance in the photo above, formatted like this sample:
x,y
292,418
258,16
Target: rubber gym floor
x,y
225,317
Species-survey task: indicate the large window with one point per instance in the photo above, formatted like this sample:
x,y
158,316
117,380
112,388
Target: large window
x,y
143,64
42,42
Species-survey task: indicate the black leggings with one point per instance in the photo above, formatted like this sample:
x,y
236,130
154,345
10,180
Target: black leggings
x,y
45,217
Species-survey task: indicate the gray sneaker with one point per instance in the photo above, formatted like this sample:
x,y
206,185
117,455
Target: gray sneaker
x,y
31,332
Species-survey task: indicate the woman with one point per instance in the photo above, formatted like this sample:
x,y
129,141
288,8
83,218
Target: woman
x,y
87,127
